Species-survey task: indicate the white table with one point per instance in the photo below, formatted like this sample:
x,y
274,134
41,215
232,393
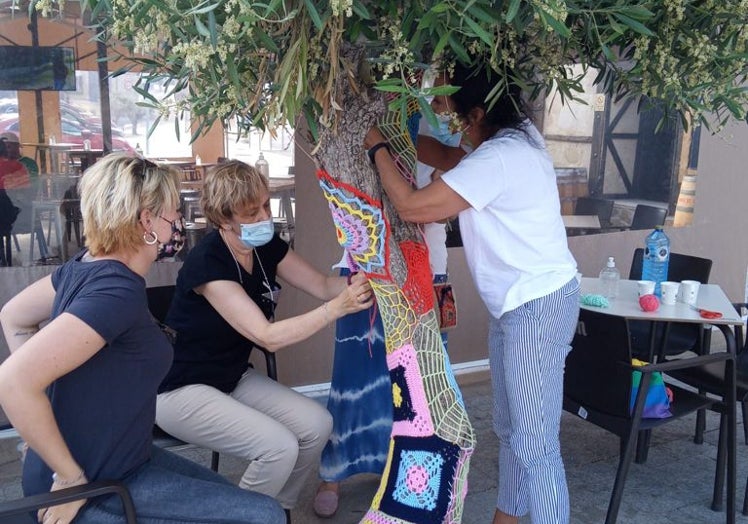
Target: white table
x,y
711,297
581,221
55,151
626,305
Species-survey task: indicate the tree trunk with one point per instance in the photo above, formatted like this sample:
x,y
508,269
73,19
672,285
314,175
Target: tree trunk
x,y
425,479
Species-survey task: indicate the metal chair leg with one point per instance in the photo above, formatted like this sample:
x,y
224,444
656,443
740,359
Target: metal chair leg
x,y
623,468
642,446
698,436
719,475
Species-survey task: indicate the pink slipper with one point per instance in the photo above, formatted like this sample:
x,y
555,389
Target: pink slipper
x,y
325,503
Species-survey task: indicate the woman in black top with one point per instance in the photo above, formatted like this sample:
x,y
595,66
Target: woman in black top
x,y
224,302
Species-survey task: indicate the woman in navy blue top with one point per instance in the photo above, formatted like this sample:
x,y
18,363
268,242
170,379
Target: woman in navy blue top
x,y
81,391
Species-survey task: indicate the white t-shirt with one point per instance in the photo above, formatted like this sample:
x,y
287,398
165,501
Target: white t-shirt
x,y
434,234
514,238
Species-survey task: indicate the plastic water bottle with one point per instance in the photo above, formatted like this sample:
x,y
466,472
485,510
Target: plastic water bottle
x,y
609,278
262,166
656,258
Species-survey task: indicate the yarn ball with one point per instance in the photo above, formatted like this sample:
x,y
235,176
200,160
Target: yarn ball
x,y
649,302
594,300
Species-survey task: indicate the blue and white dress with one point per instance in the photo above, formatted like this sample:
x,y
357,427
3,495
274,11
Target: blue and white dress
x,y
360,398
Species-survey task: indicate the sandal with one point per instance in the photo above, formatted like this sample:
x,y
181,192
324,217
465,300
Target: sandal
x,y
325,502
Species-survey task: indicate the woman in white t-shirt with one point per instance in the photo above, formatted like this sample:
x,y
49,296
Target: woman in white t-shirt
x,y
506,196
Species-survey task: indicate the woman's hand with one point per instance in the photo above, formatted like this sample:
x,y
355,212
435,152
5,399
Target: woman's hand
x,y
62,513
373,137
355,297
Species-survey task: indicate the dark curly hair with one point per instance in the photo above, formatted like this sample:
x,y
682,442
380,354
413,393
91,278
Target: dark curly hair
x,y
3,148
476,83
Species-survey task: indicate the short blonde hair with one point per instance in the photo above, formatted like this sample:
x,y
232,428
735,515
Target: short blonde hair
x,y
113,193
229,189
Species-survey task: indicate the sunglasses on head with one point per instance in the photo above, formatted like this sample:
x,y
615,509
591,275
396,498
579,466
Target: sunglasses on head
x,y
145,167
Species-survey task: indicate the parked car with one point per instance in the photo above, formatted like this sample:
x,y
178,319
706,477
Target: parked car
x,y
9,107
72,133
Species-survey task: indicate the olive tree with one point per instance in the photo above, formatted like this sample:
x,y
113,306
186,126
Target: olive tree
x,y
265,63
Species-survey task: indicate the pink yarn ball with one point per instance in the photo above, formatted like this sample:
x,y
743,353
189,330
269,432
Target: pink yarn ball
x,y
649,302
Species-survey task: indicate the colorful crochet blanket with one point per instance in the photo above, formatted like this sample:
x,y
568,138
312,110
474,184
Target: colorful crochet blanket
x,y
425,479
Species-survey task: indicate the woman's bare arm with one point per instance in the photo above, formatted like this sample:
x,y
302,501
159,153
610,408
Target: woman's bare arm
x,y
60,347
21,315
302,275
239,310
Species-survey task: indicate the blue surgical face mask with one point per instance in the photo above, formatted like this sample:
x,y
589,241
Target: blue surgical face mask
x,y
444,134
257,234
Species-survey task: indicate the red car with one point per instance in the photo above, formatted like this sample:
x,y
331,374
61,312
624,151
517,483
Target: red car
x,y
72,133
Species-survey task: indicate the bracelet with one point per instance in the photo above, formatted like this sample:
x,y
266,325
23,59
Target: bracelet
x,y
376,147
66,483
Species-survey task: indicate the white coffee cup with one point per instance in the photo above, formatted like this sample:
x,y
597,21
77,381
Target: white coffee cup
x,y
669,292
689,291
645,287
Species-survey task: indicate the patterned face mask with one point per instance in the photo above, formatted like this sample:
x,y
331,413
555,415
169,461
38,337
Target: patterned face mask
x,y
176,240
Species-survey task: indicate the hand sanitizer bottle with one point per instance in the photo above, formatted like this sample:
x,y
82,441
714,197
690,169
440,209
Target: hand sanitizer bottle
x,y
609,278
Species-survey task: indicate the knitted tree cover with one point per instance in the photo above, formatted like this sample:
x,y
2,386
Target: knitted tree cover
x,y
425,478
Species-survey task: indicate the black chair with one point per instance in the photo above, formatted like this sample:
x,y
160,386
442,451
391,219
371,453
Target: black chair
x,y
19,511
711,379
647,217
159,300
8,215
601,207
71,210
672,338
597,388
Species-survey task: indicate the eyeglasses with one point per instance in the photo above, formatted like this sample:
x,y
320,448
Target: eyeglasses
x,y
174,223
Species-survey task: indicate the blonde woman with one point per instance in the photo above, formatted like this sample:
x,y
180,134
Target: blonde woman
x,y
224,302
81,391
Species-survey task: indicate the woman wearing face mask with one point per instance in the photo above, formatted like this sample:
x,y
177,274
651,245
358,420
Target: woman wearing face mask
x,y
81,391
224,302
506,196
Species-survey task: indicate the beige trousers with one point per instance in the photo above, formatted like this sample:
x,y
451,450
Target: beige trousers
x,y
279,431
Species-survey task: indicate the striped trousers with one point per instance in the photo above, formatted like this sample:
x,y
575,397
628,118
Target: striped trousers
x,y
527,350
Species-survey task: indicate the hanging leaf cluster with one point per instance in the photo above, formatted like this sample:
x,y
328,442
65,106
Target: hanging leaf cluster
x,y
264,63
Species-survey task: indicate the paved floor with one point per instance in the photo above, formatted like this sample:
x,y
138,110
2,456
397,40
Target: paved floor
x,y
673,486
